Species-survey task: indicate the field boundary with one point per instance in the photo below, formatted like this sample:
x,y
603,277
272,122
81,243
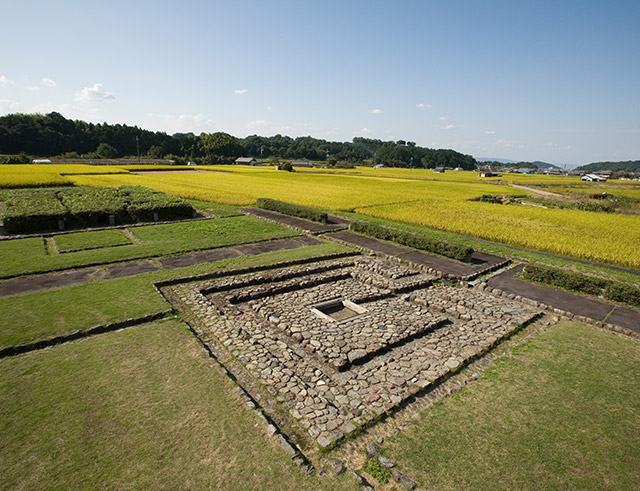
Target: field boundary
x,y
84,333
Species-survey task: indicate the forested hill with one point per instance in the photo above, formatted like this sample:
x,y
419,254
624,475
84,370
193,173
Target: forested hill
x,y
623,166
52,134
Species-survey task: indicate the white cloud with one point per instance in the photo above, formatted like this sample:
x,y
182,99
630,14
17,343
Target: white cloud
x,y
240,91
365,131
4,81
183,123
8,106
47,82
422,105
449,126
375,111
489,132
443,118
96,92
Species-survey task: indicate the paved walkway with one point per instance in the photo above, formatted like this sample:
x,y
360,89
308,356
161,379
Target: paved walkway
x,y
308,226
480,262
560,299
78,276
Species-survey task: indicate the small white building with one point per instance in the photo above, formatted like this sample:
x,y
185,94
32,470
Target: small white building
x,y
593,178
41,161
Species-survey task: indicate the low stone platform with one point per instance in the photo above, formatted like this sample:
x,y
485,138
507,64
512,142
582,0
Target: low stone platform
x,y
330,346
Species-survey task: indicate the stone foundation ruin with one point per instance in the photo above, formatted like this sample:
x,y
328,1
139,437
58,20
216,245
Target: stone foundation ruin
x,y
332,345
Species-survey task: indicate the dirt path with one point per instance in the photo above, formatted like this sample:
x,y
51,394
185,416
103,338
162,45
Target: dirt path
x,y
576,304
546,194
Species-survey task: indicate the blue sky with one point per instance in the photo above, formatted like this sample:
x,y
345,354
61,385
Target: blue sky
x,y
547,80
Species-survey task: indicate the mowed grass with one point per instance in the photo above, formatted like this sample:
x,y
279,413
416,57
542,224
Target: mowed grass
x,y
24,256
143,408
562,413
97,239
49,313
440,201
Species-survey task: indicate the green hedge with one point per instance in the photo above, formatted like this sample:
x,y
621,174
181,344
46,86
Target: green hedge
x,y
436,246
580,283
41,210
143,203
33,210
291,209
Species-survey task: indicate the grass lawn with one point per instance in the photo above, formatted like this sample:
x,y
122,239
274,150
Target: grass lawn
x,y
24,256
562,413
142,408
80,241
217,209
48,313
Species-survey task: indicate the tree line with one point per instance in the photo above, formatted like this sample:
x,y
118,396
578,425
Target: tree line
x,y
53,135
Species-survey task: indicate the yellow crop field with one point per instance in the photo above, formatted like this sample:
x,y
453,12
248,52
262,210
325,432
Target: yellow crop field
x,y
243,185
604,237
29,175
15,180
422,197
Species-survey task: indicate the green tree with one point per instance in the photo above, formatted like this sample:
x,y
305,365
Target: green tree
x,y
155,152
106,151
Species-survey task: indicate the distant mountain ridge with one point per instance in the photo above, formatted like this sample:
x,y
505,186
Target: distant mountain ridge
x,y
621,166
507,162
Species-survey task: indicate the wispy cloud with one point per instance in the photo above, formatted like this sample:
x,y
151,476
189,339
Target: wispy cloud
x,y
257,124
47,82
182,123
4,81
96,92
375,111
265,126
8,106
365,131
449,126
240,91
443,118
422,105
489,132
